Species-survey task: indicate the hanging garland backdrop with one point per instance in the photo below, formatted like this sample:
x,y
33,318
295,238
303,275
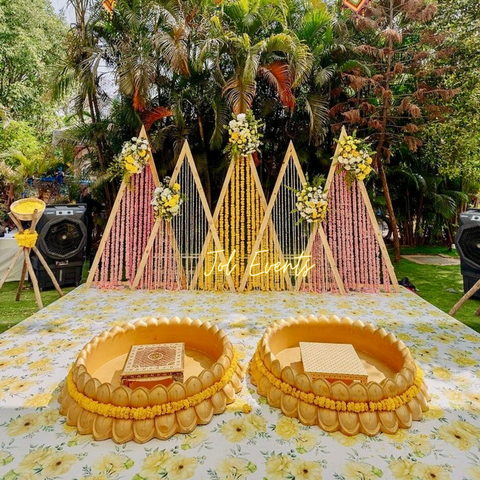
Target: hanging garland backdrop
x,y
239,219
128,228
191,226
171,258
128,237
353,234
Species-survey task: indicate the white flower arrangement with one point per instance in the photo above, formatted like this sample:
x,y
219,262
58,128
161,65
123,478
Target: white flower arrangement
x,y
244,137
354,157
167,200
312,202
132,159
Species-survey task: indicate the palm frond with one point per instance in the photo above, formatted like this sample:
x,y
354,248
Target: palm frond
x,y
278,75
239,93
221,113
318,110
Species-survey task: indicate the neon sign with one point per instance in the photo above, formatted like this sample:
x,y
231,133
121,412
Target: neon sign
x,y
257,269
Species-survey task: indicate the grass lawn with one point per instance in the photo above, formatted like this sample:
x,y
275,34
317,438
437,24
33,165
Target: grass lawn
x,y
12,312
442,286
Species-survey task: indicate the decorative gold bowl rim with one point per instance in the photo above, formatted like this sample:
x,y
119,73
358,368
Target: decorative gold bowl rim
x,y
95,407
353,408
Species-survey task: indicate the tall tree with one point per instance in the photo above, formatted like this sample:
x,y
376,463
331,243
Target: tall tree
x,y
390,103
31,38
453,144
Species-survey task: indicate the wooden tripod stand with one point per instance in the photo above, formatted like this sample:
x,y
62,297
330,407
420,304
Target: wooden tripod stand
x,y
27,264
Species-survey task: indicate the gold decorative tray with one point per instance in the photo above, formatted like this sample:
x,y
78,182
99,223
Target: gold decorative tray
x,y
94,400
393,397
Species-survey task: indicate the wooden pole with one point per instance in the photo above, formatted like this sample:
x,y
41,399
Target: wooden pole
x,y
18,224
33,278
146,255
318,229
213,234
27,264
22,281
48,270
462,301
10,267
266,222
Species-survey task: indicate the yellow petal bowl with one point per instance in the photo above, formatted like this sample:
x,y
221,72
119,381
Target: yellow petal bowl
x,y
95,402
394,395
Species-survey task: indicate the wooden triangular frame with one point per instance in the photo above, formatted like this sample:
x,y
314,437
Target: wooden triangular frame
x,y
185,155
216,215
371,216
290,154
114,212
213,233
266,223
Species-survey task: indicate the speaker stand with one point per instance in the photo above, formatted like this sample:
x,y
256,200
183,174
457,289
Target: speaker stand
x,y
27,264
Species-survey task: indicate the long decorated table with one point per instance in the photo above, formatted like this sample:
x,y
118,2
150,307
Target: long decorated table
x,y
35,356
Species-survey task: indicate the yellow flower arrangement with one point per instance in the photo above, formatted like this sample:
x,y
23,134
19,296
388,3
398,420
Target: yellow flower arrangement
x,y
244,137
132,159
167,200
312,202
26,239
142,413
354,157
386,405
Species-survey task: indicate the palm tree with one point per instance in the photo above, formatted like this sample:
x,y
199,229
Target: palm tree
x,y
16,168
249,40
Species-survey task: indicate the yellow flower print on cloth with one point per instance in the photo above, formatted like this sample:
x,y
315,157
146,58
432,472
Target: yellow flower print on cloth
x,y
461,435
24,425
112,464
165,464
235,468
280,467
43,463
243,428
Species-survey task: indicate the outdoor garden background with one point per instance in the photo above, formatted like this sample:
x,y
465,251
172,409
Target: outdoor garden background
x,y
403,75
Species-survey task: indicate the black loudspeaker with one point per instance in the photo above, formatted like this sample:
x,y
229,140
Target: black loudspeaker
x,y
62,236
467,242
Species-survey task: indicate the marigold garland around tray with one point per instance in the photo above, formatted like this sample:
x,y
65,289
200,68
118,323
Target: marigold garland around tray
x,y
394,396
385,405
142,413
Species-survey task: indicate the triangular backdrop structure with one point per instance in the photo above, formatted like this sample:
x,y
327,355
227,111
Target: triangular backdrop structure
x,y
128,228
354,235
238,217
174,248
293,235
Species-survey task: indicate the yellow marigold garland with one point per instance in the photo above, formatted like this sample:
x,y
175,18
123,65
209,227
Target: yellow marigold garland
x,y
142,413
26,239
386,405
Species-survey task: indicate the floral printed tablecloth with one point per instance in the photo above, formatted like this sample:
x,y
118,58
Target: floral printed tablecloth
x,y
35,442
